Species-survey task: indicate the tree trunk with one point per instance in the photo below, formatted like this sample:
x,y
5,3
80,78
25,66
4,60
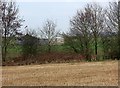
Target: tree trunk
x,y
96,47
5,37
49,48
75,50
5,46
87,53
1,35
118,30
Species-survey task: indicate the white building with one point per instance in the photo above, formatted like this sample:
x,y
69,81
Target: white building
x,y
59,41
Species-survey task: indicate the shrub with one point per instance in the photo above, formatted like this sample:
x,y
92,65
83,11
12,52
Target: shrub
x,y
29,46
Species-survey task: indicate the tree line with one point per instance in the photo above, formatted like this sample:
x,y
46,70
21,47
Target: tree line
x,y
94,25
91,27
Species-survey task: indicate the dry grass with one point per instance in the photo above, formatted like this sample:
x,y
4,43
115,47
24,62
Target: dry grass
x,y
66,74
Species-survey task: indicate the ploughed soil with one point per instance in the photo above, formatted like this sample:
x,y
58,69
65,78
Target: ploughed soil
x,y
104,73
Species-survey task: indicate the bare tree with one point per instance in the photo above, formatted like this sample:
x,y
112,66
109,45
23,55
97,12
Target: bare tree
x,y
96,19
0,33
11,23
49,32
113,23
119,29
112,17
81,24
89,23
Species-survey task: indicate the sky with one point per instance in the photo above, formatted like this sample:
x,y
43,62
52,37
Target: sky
x,y
36,12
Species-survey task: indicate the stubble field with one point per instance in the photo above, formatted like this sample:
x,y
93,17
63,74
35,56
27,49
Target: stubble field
x,y
65,74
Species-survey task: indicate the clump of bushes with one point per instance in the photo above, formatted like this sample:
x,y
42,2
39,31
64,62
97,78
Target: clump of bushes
x,y
29,46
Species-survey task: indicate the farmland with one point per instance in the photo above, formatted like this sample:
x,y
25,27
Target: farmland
x,y
82,51
103,73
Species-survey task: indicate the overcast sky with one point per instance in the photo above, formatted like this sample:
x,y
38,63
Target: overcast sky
x,y
36,12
